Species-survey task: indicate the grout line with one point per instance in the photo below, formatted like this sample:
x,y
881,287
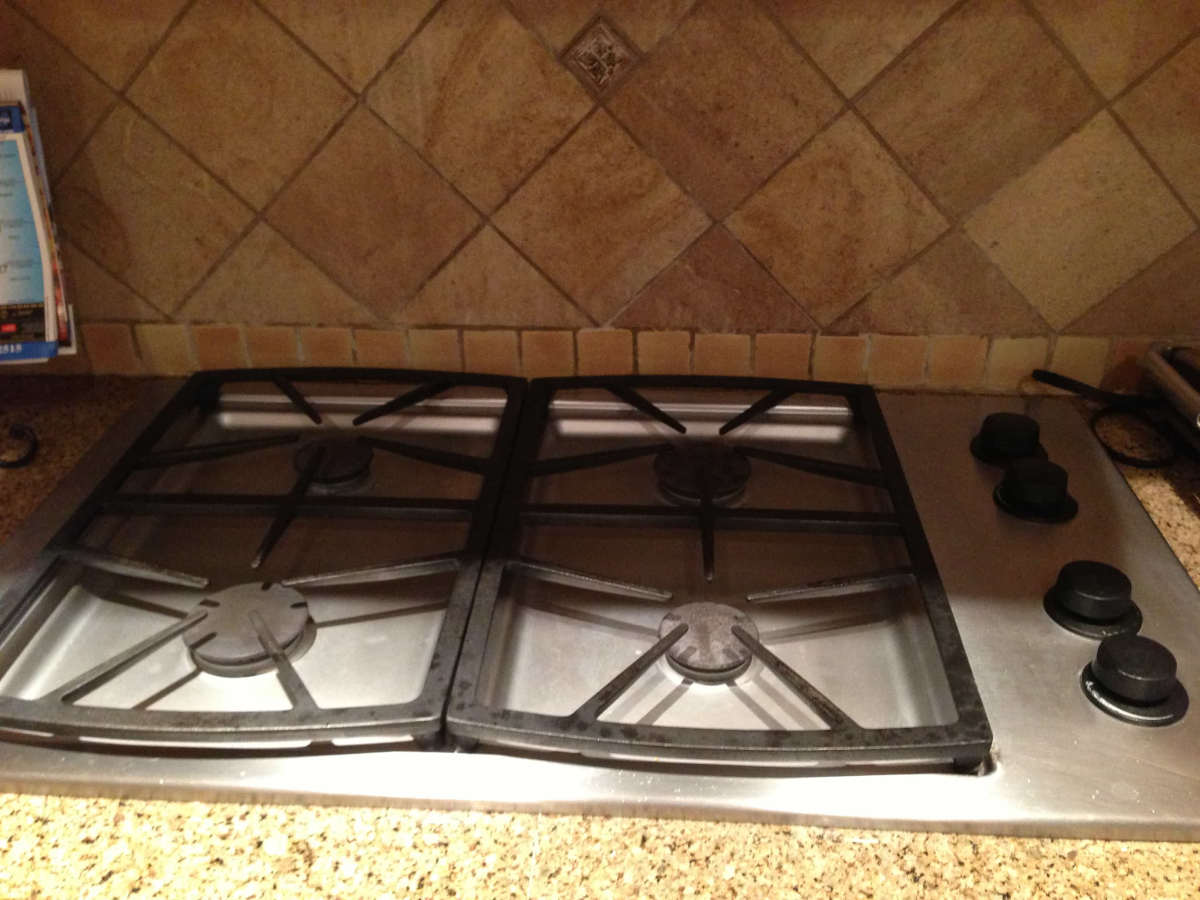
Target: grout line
x,y
399,51
303,45
1154,167
1158,64
155,47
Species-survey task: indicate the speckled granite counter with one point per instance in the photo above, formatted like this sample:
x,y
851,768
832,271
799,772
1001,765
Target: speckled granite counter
x,y
58,847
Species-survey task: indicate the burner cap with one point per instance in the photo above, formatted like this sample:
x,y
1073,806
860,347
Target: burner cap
x,y
1133,679
709,651
1093,599
1036,490
344,466
225,642
682,469
1005,437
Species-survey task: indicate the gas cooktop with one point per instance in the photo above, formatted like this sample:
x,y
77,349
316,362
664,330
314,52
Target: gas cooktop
x,y
722,597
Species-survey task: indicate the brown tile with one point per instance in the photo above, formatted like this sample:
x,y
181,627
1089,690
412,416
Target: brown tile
x,y
645,21
437,349
600,217
664,353
782,355
721,354
600,58
69,99
272,345
813,227
715,285
1011,361
480,98
896,360
110,348
977,101
852,40
166,348
1081,358
493,352
327,346
1164,114
1095,205
1117,40
97,295
545,354
371,213
840,358
266,280
111,36
145,211
1124,370
715,137
605,352
952,288
489,283
381,349
557,21
219,347
956,360
355,38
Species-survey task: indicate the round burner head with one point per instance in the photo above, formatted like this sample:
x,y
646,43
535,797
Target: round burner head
x,y
1036,490
345,463
709,651
683,468
226,641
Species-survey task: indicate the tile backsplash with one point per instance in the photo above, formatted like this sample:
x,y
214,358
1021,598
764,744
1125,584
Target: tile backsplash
x,y
923,192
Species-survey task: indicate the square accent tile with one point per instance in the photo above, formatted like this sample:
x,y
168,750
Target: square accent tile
x,y
836,220
219,347
1098,208
840,358
721,354
546,354
664,353
605,352
437,349
272,345
896,360
381,349
1011,362
493,352
956,360
110,349
782,355
166,348
600,57
1081,358
327,346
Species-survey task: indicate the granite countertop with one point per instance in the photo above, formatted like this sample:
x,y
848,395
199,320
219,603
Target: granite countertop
x,y
63,846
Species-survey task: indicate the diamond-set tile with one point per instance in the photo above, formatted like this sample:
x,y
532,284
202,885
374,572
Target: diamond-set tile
x,y
480,98
835,221
97,295
370,212
645,21
600,217
716,138
600,57
1097,203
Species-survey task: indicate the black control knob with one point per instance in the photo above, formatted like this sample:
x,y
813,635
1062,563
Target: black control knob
x,y
1005,437
1036,489
1093,599
1135,669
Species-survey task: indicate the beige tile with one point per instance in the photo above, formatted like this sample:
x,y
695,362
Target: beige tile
x,y
605,352
489,283
546,354
1011,361
145,211
480,98
956,360
782,355
272,345
1117,40
1095,205
372,214
355,38
714,285
380,349
812,226
952,288
438,349
721,354
715,137
896,360
219,347
110,348
840,358
493,352
165,348
645,21
1164,114
240,94
69,99
327,346
600,217
1124,370
664,353
852,40
99,296
1081,358
266,280
111,36
977,101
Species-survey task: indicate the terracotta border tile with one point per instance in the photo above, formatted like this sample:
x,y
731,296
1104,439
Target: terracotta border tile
x,y
219,347
721,354
837,358
664,352
897,360
166,348
956,360
1081,358
493,352
273,345
384,349
1011,360
327,346
607,351
782,355
111,349
547,354
438,349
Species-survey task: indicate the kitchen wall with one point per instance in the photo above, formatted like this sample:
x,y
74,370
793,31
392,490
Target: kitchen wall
x,y
918,192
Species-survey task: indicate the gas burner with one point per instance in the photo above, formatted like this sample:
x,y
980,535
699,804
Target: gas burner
x,y
682,470
344,468
1133,679
226,641
708,651
1093,599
